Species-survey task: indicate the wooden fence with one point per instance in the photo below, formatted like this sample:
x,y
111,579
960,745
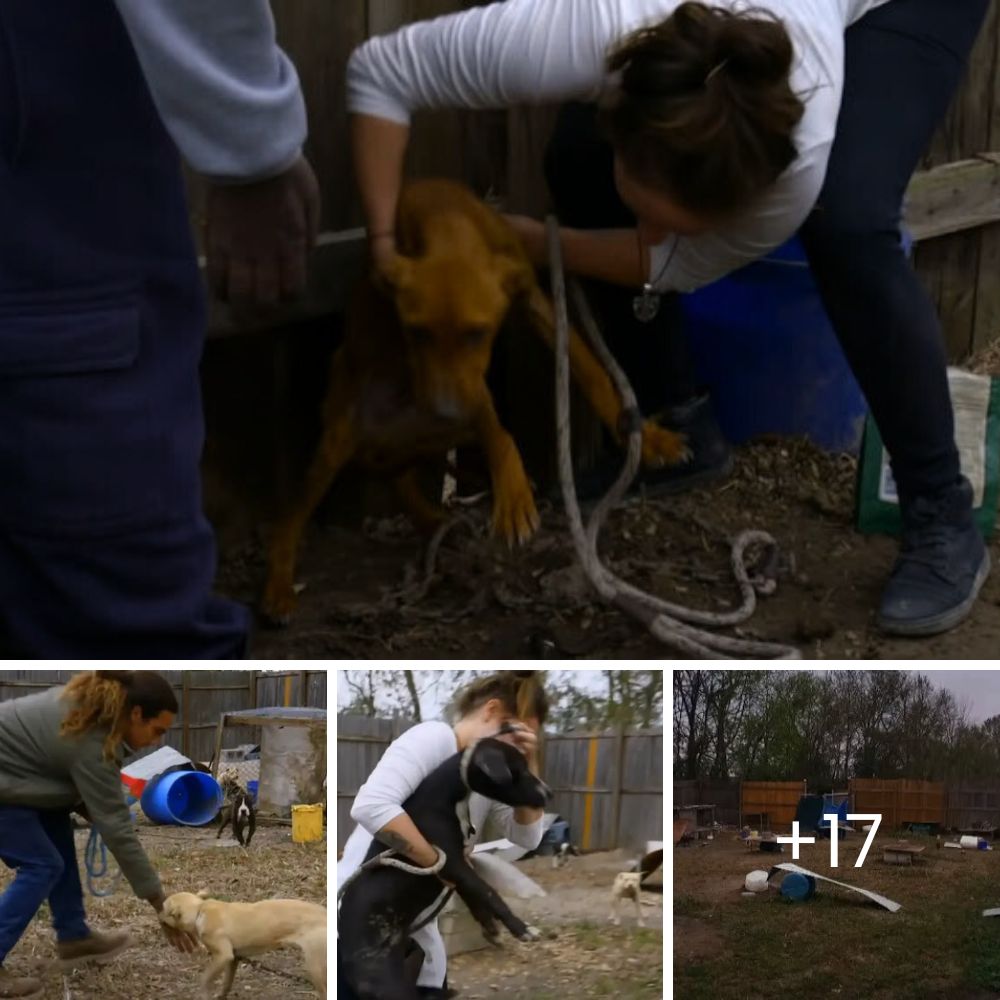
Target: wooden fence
x,y
608,786
973,804
779,800
723,793
202,696
900,801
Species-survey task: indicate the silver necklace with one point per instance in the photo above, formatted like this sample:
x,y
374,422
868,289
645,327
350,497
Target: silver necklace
x,y
646,305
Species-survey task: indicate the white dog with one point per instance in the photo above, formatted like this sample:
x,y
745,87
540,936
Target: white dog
x,y
231,931
626,886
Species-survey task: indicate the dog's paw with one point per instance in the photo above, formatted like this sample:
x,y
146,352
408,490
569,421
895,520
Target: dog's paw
x,y
530,934
663,447
277,605
492,935
515,516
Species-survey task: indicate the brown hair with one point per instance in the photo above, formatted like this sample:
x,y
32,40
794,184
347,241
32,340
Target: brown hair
x,y
519,691
105,698
704,110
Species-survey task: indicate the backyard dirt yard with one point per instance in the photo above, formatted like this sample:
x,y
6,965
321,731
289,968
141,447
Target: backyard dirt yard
x,y
365,594
360,600
937,947
580,954
187,859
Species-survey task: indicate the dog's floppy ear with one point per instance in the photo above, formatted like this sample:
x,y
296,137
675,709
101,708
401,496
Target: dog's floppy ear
x,y
491,761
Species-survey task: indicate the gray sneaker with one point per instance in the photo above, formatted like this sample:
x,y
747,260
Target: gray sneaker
x,y
942,565
12,985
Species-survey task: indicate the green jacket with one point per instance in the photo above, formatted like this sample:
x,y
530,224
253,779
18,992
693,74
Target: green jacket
x,y
39,769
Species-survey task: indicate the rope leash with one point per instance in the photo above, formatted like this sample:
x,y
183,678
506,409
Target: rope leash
x,y
673,624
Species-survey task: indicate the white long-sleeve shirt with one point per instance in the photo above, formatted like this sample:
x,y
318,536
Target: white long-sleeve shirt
x,y
403,766
228,96
530,52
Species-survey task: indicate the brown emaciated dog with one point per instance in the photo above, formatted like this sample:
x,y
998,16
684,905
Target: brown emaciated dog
x,y
408,382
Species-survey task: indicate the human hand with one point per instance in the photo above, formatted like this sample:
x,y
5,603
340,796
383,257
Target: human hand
x,y
523,737
531,234
382,250
181,940
258,236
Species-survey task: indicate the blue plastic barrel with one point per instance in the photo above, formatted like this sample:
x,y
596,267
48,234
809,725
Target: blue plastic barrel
x,y
797,887
252,787
185,798
761,340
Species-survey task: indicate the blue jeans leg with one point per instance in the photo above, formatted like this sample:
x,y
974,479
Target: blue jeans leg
x,y
66,898
26,847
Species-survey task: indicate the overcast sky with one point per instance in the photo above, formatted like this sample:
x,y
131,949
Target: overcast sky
x,y
432,698
976,690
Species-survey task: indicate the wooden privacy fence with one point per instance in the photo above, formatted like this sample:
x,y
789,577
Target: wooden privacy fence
x,y
973,804
723,793
899,800
202,695
608,786
779,800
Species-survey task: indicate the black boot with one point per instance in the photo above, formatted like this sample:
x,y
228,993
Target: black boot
x,y
942,565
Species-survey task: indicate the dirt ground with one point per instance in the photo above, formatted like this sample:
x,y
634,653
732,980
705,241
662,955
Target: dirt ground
x,y
187,859
731,947
581,953
484,602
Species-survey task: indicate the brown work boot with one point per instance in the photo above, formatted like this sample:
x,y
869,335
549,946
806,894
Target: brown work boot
x,y
97,947
12,985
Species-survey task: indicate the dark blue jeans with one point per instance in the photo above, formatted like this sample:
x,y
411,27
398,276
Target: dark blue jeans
x,y
904,62
38,845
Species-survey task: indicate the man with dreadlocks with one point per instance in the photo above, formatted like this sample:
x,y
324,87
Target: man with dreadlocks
x,y
59,752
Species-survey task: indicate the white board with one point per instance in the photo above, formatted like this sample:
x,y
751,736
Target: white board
x,y
874,896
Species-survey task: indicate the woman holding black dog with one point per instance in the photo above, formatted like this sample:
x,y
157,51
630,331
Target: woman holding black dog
x,y
481,709
699,137
59,753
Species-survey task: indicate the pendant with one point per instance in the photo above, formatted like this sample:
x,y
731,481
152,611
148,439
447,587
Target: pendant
x,y
647,305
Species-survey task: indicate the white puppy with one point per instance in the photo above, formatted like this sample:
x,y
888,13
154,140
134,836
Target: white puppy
x,y
626,886
231,931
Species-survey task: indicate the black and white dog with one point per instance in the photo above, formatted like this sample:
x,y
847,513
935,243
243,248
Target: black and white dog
x,y
239,811
380,904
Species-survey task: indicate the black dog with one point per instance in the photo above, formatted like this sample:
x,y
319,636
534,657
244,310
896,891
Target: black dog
x,y
241,814
379,907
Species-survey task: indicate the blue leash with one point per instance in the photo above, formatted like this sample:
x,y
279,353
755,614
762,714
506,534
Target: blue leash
x,y
96,860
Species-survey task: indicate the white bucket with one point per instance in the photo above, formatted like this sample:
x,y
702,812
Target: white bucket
x,y
969,843
756,881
